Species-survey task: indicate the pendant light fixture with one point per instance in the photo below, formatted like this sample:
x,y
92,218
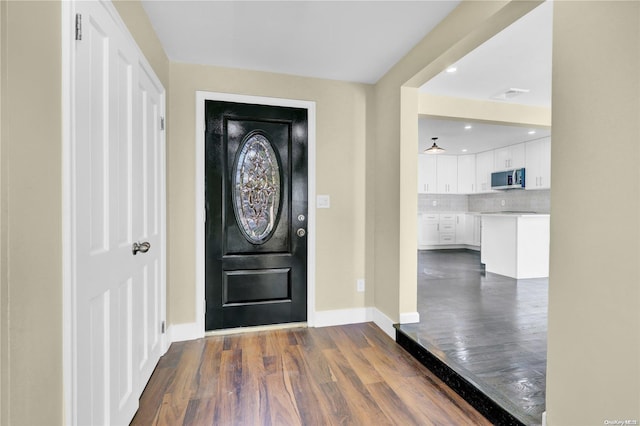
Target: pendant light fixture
x,y
435,149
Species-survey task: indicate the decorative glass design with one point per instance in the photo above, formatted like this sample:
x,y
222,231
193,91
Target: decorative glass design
x,y
256,188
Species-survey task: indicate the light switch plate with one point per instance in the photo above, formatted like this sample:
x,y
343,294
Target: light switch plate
x,y
323,201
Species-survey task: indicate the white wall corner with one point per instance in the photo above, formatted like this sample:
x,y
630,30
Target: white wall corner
x,y
186,331
409,317
384,322
341,317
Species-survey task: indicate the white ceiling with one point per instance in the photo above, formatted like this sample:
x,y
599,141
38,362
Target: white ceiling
x,y
518,57
456,140
360,41
342,40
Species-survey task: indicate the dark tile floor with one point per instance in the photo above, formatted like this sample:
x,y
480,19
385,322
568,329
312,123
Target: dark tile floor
x,y
490,329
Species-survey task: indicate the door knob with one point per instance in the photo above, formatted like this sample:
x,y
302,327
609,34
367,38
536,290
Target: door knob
x,y
301,232
140,247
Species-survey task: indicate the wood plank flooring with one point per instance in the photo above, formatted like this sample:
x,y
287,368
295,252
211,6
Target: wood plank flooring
x,y
490,329
347,375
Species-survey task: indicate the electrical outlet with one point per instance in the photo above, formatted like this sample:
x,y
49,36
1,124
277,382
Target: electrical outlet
x,y
360,285
434,202
502,203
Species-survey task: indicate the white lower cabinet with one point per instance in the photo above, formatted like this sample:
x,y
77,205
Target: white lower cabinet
x,y
462,237
428,233
477,230
448,229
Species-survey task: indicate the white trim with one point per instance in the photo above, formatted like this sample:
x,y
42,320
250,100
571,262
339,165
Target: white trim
x,y
68,300
186,331
342,317
384,322
310,106
409,317
355,316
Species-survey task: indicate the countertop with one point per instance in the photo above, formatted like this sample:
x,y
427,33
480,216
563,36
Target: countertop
x,y
512,214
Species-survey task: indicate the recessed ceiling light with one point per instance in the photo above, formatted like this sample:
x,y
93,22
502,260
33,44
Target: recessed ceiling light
x,y
464,149
532,132
451,70
468,126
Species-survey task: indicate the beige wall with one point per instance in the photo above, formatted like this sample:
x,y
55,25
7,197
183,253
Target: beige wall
x,y
31,214
593,370
485,111
341,110
4,282
594,323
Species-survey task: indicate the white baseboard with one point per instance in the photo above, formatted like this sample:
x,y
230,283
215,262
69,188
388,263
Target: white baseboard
x,y
191,331
355,316
384,322
341,317
186,331
544,418
409,317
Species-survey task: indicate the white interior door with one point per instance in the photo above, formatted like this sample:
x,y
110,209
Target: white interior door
x,y
116,196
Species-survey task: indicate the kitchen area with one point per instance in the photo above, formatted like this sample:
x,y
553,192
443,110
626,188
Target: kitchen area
x,y
483,212
483,262
460,206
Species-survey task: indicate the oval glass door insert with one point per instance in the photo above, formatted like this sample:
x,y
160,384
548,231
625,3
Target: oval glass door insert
x,y
256,188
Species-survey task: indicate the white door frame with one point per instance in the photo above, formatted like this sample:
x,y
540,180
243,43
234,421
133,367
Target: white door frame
x,y
310,106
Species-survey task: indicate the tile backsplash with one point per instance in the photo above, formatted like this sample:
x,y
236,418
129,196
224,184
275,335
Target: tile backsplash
x,y
538,201
442,203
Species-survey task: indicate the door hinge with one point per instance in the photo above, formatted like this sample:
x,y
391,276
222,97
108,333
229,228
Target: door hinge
x,y
161,123
163,327
78,26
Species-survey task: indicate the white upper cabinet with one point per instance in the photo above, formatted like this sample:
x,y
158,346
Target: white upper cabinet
x,y
484,168
470,174
437,174
509,157
427,174
467,174
447,174
538,165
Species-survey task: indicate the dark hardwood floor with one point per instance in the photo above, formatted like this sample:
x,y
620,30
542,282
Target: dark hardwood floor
x,y
489,329
352,374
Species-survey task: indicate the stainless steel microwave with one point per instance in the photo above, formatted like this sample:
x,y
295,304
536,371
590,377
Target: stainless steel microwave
x,y
510,179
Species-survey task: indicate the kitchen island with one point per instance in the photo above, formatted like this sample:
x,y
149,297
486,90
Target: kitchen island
x,y
515,244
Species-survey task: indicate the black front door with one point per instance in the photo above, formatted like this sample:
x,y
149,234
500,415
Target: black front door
x,y
256,218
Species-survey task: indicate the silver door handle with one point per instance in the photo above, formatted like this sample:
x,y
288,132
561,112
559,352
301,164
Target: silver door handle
x,y
301,232
140,247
